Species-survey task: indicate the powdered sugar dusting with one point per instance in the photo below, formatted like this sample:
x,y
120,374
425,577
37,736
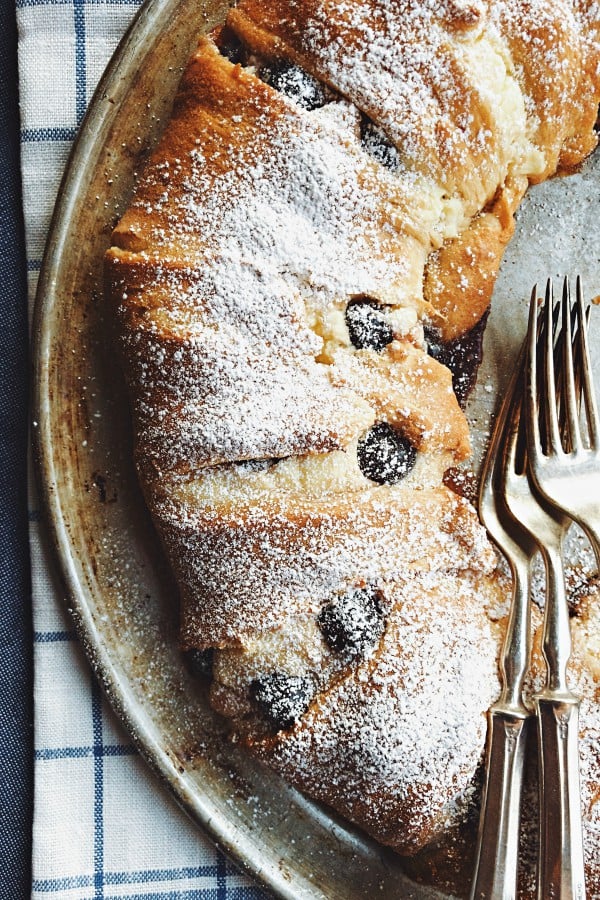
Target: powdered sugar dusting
x,y
252,569
255,224
397,741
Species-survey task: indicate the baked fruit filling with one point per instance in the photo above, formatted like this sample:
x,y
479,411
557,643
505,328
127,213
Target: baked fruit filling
x,y
301,284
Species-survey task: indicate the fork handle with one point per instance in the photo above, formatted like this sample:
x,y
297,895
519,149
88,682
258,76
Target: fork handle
x,y
495,875
560,866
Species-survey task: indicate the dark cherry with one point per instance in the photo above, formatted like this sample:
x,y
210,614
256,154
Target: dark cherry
x,y
201,662
377,143
354,623
367,325
233,50
462,356
384,455
434,343
281,698
230,46
294,82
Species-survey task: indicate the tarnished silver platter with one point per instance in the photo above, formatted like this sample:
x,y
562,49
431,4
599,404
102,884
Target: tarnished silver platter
x,y
117,584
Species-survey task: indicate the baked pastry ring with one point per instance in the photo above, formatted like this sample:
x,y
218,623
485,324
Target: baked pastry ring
x,y
315,234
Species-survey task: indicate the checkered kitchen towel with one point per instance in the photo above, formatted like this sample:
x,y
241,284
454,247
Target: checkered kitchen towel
x,y
103,827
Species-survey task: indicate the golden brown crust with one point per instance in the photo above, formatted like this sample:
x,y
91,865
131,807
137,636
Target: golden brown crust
x,y
446,112
410,389
554,61
249,569
549,52
182,386
460,276
338,753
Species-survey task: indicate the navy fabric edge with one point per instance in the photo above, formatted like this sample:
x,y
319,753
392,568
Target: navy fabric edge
x,y
16,645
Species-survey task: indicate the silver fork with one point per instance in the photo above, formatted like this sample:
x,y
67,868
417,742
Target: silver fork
x,y
496,860
568,474
560,864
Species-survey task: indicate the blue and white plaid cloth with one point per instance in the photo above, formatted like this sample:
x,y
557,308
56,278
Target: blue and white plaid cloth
x,y
103,826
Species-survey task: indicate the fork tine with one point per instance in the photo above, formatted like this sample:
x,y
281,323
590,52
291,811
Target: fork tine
x,y
531,392
547,389
491,465
587,386
569,390
491,474
567,477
